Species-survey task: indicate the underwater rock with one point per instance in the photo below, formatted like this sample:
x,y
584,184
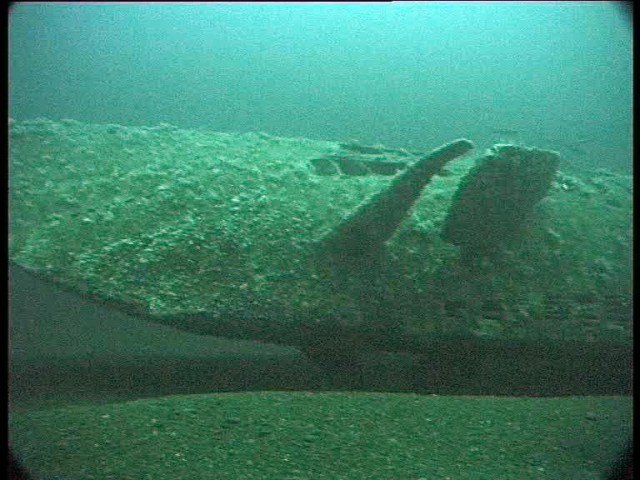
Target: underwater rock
x,y
496,196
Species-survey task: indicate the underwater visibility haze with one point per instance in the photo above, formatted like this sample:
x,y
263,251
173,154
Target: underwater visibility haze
x,y
320,240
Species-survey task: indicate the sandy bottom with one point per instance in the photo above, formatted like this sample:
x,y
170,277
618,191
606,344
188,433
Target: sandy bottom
x,y
302,435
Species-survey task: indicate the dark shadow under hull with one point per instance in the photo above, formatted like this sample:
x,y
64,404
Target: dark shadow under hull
x,y
68,350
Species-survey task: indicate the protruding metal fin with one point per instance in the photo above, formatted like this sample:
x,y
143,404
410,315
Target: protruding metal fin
x,y
375,222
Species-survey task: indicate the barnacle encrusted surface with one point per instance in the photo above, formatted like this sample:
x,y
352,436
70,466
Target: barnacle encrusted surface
x,y
219,232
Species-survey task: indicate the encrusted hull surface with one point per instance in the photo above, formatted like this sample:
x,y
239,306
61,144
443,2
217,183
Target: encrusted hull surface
x,y
226,234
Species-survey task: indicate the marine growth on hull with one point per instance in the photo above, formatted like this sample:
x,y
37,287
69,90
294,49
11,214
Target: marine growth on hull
x,y
256,236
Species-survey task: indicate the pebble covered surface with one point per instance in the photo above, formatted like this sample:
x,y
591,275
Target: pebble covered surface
x,y
296,436
222,230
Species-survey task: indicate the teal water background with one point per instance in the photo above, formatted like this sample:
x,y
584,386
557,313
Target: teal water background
x,y
412,75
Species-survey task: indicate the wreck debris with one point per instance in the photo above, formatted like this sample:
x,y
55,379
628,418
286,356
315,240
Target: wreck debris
x,y
375,222
355,166
218,233
496,196
372,150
